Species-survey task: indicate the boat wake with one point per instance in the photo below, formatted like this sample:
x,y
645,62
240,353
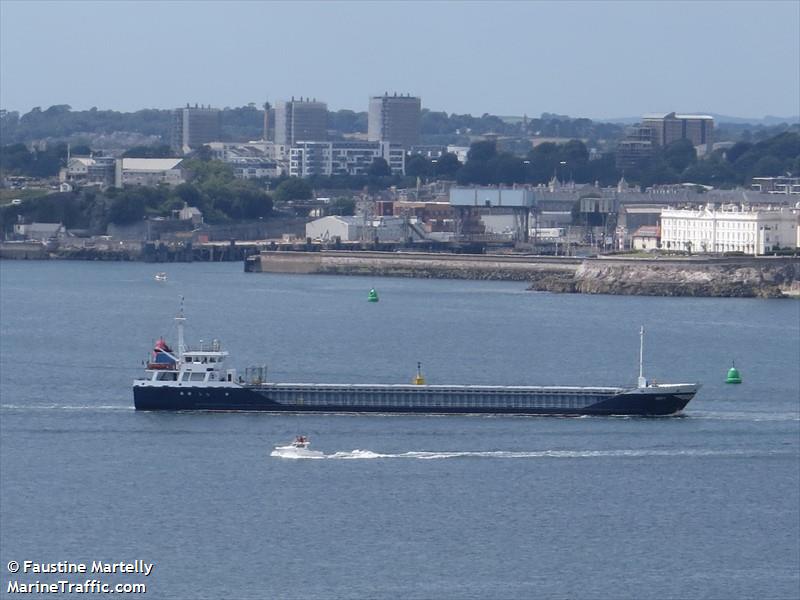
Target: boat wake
x,y
745,416
296,453
88,407
431,455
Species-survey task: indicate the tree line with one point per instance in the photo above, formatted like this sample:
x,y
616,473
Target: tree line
x,y
18,159
60,122
247,122
676,163
211,187
723,168
488,165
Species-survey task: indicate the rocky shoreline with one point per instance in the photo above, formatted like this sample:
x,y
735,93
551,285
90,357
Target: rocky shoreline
x,y
708,280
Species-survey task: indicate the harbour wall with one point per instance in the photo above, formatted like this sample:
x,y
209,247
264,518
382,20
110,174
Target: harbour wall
x,y
410,264
23,251
155,252
746,277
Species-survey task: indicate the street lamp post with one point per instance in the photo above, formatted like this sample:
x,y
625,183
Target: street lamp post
x,y
527,164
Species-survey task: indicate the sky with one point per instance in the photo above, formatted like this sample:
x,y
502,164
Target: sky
x,y
592,59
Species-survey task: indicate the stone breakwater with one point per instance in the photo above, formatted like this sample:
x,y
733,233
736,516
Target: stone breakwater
x,y
744,277
410,264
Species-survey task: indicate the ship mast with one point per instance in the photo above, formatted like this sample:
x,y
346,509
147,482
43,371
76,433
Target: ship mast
x,y
642,381
179,320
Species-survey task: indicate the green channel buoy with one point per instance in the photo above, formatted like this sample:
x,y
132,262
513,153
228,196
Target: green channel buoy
x,y
372,296
733,375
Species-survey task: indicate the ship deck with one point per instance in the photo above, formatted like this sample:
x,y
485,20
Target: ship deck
x,y
443,396
439,387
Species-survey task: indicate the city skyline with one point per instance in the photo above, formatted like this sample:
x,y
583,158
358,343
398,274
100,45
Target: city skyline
x,y
597,60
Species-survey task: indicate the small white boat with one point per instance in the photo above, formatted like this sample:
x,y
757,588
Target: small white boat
x,y
161,276
297,449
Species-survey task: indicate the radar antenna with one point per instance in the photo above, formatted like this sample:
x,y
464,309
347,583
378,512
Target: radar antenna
x,y
179,320
642,383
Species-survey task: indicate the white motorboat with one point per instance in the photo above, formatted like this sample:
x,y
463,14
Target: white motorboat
x,y
297,449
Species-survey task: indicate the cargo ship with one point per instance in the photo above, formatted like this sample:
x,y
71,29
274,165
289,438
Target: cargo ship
x,y
200,380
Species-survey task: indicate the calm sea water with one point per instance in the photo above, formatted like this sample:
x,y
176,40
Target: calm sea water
x,y
706,505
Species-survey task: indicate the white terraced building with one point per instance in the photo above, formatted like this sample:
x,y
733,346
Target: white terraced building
x,y
149,171
343,158
730,228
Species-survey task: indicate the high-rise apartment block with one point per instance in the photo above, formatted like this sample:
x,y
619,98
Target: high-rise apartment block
x,y
670,127
661,130
194,126
300,121
635,148
394,119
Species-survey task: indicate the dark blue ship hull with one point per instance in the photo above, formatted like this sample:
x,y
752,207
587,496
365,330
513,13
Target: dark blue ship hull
x,y
243,398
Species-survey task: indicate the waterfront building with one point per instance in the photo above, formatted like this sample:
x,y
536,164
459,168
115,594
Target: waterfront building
x,y
149,172
429,151
634,217
394,119
309,158
226,151
647,237
300,120
39,232
190,213
423,211
776,185
471,203
394,229
488,197
361,228
254,168
501,227
77,168
88,170
461,152
346,229
194,126
251,160
729,228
